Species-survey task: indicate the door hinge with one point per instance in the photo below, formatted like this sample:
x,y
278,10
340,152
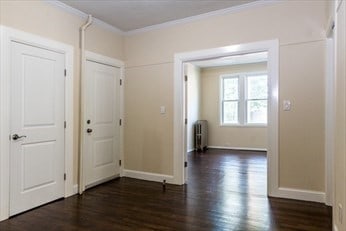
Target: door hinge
x,y
185,78
186,121
185,164
121,82
120,122
65,72
64,176
64,124
119,162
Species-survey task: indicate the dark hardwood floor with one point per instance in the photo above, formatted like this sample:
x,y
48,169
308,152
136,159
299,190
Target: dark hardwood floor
x,y
226,191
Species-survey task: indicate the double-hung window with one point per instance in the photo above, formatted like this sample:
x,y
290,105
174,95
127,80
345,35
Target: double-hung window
x,y
244,99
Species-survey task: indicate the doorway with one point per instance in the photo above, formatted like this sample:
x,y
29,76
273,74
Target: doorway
x,y
180,150
230,96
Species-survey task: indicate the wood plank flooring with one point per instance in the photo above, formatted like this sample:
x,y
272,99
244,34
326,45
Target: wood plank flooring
x,y
226,191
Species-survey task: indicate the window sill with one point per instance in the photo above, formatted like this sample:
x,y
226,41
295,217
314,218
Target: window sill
x,y
244,125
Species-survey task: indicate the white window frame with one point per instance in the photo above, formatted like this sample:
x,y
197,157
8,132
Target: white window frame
x,y
242,99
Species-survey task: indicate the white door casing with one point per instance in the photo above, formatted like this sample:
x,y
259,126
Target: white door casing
x,y
101,123
7,37
37,116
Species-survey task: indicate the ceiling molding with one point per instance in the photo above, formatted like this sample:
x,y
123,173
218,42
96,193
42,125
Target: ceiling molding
x,y
229,10
109,27
83,15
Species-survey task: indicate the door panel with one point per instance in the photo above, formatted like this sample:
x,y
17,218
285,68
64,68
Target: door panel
x,y
37,114
102,110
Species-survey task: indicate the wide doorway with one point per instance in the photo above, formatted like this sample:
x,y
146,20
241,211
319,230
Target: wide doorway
x,y
230,111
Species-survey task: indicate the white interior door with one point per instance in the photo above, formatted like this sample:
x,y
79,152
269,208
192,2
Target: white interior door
x,y
101,139
37,127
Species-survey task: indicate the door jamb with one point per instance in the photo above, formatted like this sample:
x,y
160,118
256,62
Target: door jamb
x,y
7,35
272,47
91,56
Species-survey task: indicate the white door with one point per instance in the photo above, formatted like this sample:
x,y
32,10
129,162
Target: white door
x,y
37,127
101,142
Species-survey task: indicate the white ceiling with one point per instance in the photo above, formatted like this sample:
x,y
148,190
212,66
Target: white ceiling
x,y
128,15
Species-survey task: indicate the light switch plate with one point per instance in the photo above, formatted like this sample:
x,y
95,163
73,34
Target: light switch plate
x,y
287,105
162,109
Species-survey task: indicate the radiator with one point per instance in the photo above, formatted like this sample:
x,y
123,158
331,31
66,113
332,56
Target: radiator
x,y
201,135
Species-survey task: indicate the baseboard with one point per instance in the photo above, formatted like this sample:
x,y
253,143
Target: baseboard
x,y
239,148
148,176
304,195
191,150
335,228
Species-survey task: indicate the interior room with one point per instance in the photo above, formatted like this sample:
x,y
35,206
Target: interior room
x,y
99,101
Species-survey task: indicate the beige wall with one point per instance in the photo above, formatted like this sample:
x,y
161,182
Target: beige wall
x,y
228,136
148,133
149,76
193,101
43,19
300,28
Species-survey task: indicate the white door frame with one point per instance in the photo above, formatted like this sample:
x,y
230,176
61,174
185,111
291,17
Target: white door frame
x,y
91,56
272,47
8,35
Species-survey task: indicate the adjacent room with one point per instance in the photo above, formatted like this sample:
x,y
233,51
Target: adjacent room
x,y
172,115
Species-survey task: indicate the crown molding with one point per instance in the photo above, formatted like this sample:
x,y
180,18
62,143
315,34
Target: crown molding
x,y
83,15
102,24
233,9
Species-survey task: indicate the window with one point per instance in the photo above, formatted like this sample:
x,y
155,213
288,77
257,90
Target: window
x,y
244,99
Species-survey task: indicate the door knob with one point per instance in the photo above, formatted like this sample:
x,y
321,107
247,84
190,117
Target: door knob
x,y
89,130
16,137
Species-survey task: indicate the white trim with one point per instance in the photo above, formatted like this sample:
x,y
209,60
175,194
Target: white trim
x,y
148,176
83,15
304,195
91,56
329,120
239,148
7,36
335,227
272,47
230,10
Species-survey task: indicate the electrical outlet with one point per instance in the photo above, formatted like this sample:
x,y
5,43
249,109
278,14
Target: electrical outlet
x,y
340,213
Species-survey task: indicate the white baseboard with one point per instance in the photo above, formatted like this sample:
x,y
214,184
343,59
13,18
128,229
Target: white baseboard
x,y
191,150
335,228
148,176
239,148
297,194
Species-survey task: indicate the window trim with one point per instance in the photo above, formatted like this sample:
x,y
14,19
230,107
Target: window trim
x,y
242,99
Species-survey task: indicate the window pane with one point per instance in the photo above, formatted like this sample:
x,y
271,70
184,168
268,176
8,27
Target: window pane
x,y
257,111
257,87
230,112
230,88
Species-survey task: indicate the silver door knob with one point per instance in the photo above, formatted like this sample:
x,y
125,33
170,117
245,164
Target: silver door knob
x,y
16,136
